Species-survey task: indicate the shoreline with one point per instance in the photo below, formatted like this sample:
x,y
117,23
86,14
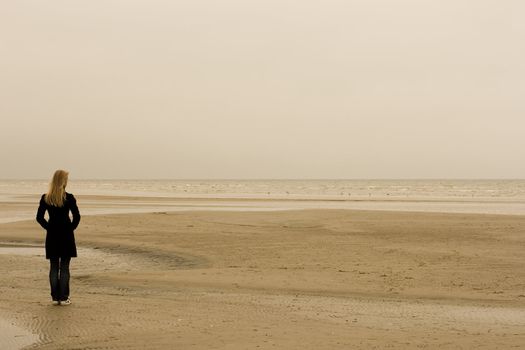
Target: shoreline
x,y
23,207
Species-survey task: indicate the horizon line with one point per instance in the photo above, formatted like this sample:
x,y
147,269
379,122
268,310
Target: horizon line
x,y
275,179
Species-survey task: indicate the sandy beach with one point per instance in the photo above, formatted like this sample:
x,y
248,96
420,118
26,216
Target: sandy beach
x,y
295,175
296,279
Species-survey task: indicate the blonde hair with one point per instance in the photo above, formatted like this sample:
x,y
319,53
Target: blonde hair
x,y
57,189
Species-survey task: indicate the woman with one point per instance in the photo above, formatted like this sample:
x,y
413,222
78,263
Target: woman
x,y
60,239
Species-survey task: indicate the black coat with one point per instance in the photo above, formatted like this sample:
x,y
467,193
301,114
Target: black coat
x,y
60,238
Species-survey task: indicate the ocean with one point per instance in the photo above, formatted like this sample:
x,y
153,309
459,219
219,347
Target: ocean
x,y
282,189
18,197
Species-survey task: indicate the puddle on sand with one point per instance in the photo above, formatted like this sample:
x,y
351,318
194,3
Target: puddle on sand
x,y
14,338
21,249
111,261
101,259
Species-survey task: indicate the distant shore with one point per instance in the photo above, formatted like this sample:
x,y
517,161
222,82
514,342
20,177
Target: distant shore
x,y
19,207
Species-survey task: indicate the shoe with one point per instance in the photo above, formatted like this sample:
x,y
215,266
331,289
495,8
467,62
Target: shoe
x,y
65,302
56,302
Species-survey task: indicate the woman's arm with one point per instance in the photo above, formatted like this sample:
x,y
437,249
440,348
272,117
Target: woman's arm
x,y
40,213
74,210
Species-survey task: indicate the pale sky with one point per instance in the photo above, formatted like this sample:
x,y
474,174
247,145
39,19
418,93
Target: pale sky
x,y
263,89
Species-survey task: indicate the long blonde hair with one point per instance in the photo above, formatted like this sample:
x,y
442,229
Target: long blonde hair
x,y
57,189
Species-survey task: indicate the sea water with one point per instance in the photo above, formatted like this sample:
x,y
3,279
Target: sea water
x,y
465,196
313,189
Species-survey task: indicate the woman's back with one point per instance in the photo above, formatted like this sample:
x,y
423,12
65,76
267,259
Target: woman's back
x,y
59,216
60,238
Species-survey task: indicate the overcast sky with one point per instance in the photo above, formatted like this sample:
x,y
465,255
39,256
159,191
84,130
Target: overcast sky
x,y
263,89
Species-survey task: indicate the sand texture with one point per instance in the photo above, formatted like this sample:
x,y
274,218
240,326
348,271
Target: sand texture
x,y
299,279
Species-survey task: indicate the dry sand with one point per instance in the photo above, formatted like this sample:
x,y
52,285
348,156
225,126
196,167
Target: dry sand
x,y
299,279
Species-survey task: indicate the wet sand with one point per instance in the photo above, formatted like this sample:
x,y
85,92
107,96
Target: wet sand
x,y
298,279
22,207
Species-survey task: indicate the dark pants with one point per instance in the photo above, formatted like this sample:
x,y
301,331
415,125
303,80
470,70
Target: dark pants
x,y
59,278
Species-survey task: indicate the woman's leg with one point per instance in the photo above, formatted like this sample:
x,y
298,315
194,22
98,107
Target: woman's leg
x,y
53,279
64,278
